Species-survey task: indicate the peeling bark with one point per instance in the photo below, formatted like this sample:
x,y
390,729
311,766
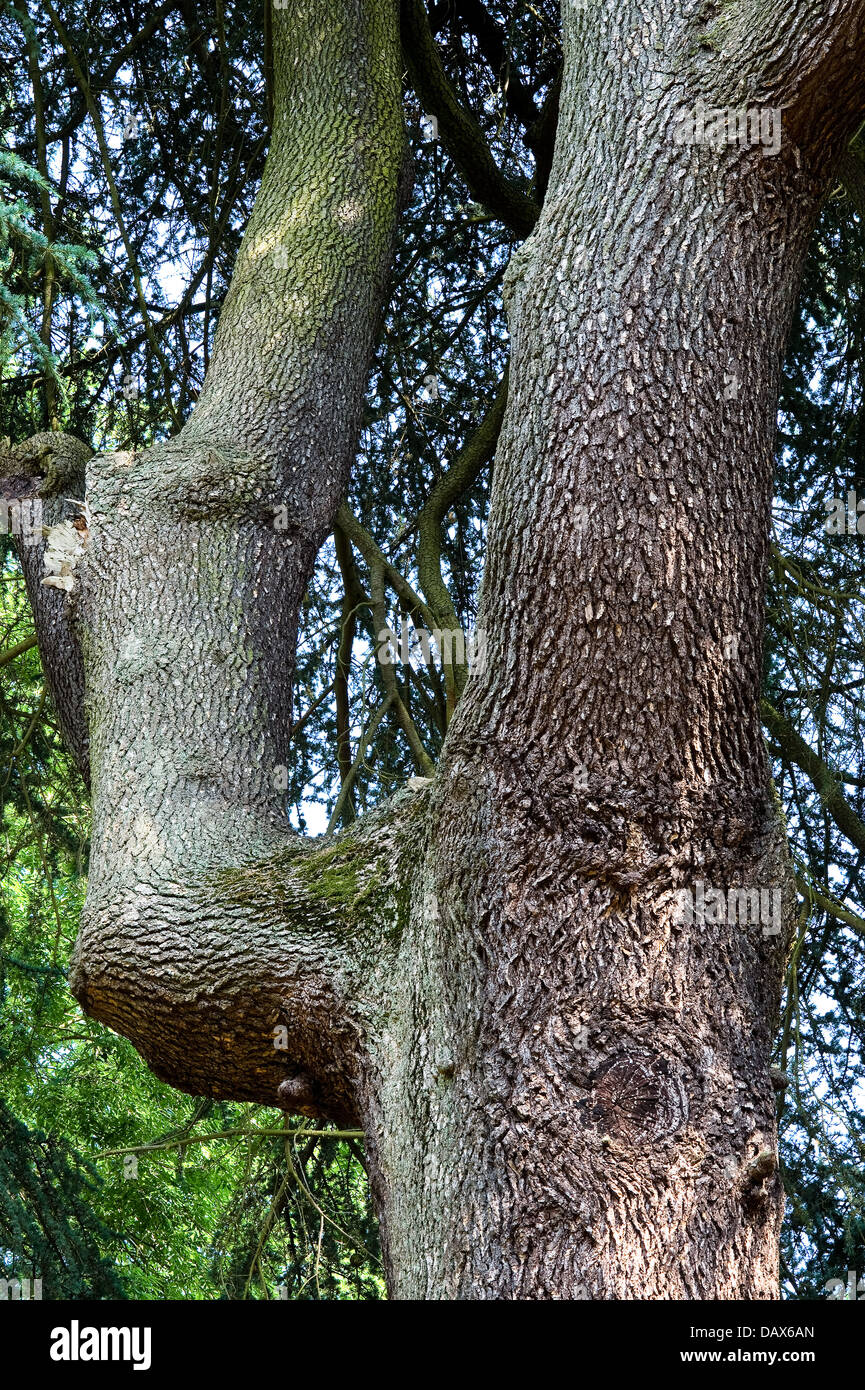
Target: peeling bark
x,y
49,469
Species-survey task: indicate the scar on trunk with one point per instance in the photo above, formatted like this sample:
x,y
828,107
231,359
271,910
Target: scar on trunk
x,y
635,1096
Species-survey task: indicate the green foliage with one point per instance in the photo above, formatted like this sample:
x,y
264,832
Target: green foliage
x,y
26,255
47,1227
814,676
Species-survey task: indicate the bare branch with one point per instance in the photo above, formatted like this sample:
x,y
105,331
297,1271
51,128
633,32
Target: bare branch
x,y
460,131
826,781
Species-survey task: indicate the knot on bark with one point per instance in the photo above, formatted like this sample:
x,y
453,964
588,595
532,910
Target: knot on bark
x,y
297,1093
756,1176
636,1097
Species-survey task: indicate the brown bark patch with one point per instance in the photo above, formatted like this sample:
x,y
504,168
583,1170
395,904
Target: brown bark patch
x,y
635,1097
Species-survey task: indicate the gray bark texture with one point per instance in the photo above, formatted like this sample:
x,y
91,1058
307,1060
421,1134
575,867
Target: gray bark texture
x,y
564,1086
49,469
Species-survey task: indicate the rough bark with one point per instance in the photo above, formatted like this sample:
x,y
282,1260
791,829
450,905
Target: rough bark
x,y
601,1121
49,469
200,552
564,1087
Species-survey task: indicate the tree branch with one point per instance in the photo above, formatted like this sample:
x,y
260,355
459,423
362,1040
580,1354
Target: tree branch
x,y
492,42
826,781
366,737
459,130
374,555
353,596
49,468
830,905
18,650
423,761
807,61
477,452
188,598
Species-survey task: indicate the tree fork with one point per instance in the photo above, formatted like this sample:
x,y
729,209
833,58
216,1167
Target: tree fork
x,y
564,1083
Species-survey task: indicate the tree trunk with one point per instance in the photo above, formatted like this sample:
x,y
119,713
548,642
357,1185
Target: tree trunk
x,y
563,1075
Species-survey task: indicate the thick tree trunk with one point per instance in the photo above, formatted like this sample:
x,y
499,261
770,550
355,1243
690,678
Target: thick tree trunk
x,y
584,1107
189,593
564,1081
603,1124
